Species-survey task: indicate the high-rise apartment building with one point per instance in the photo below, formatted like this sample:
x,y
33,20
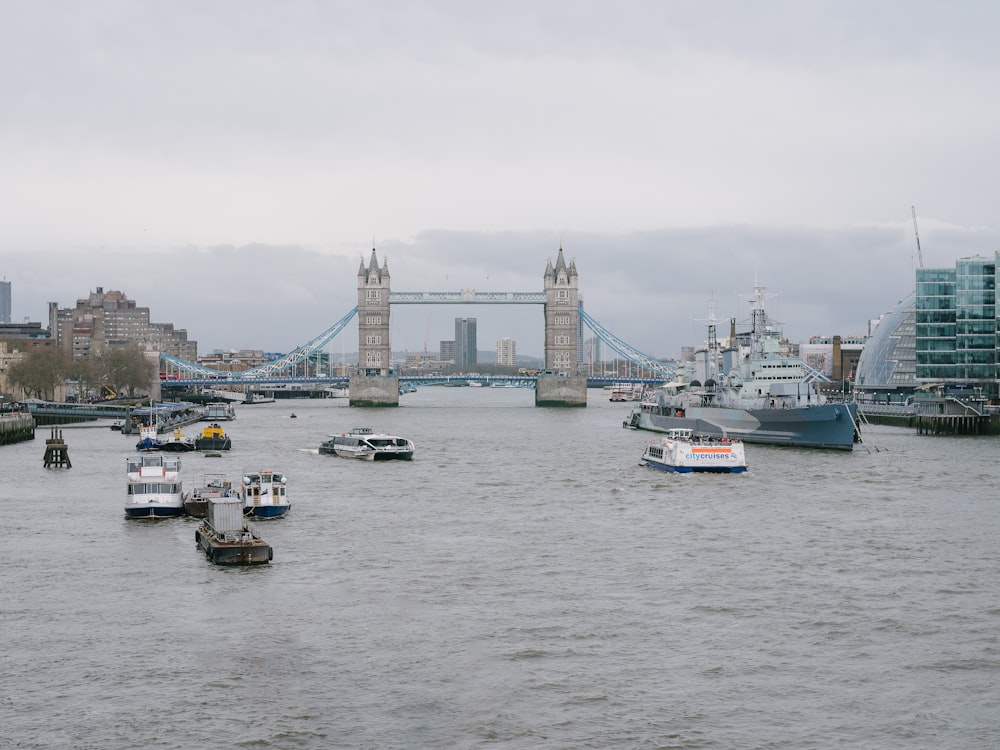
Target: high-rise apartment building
x,y
506,352
5,302
446,351
106,321
466,355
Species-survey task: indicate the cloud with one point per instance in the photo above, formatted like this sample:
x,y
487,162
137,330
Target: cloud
x,y
676,150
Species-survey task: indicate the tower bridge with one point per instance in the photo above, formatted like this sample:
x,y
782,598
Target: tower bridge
x,y
377,384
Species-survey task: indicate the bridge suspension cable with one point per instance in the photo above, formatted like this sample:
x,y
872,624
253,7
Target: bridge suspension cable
x,y
624,349
629,352
292,358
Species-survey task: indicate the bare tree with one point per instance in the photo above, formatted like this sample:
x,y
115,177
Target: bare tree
x,y
86,373
40,372
127,371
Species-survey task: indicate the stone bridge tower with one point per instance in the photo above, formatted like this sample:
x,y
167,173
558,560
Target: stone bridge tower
x,y
562,316
376,383
373,318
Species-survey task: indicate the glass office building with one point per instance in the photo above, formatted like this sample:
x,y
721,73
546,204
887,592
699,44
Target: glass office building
x,y
956,323
947,332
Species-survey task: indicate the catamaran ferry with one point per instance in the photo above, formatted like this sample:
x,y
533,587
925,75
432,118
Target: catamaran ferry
x,y
362,443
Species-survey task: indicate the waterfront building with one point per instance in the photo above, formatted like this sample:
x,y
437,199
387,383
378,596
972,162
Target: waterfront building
x,y
421,362
25,330
834,356
106,321
506,352
943,334
956,324
446,351
233,360
887,366
466,354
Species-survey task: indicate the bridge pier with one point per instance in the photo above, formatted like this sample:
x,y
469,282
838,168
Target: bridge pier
x,y
374,390
559,390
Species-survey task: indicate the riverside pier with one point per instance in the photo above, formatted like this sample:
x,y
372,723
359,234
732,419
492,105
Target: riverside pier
x,y
16,427
936,416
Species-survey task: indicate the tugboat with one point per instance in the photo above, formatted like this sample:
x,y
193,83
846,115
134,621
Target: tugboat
x,y
227,538
213,438
149,439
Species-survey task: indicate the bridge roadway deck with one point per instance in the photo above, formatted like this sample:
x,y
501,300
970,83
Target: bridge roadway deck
x,y
467,297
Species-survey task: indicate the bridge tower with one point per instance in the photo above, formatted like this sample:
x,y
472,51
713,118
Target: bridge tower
x,y
562,316
563,387
375,384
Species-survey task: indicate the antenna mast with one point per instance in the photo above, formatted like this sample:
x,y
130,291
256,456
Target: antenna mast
x,y
920,255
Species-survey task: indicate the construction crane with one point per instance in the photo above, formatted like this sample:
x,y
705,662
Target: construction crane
x,y
920,255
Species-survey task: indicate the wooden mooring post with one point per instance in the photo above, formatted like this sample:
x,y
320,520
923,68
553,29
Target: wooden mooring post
x,y
56,451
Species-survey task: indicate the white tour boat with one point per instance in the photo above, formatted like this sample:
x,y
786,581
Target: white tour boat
x,y
682,451
362,443
154,486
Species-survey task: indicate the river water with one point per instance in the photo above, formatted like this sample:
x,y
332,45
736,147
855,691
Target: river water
x,y
522,583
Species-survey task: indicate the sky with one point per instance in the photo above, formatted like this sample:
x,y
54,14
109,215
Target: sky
x,y
229,163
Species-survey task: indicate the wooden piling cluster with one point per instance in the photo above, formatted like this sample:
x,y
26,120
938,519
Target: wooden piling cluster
x,y
57,452
953,424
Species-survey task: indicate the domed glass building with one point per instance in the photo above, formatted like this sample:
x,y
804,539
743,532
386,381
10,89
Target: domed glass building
x,y
888,363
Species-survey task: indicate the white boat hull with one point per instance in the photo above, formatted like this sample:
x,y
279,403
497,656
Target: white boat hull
x,y
695,455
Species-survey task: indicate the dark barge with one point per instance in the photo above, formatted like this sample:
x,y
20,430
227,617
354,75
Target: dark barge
x,y
227,538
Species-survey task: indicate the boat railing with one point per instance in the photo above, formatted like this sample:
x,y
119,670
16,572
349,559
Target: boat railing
x,y
247,534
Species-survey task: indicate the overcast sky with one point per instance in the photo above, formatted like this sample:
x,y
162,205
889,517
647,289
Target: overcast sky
x,y
228,164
